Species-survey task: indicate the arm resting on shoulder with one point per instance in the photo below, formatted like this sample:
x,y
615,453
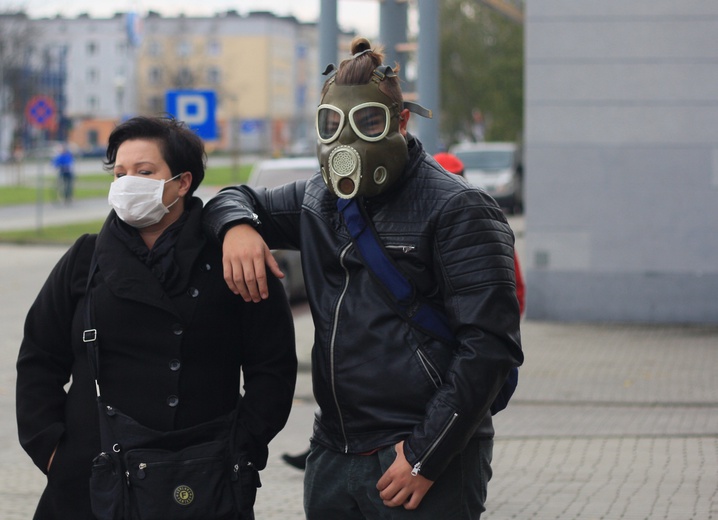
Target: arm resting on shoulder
x,y
232,215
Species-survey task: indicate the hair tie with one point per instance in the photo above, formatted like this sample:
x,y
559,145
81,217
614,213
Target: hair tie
x,y
355,56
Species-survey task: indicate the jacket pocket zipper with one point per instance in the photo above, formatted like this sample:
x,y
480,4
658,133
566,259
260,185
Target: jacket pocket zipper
x,y
432,448
429,368
402,248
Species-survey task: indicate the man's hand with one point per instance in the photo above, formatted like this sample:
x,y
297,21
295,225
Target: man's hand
x,y
397,487
244,254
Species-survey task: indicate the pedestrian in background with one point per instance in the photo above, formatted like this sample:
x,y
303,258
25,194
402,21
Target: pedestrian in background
x,y
404,427
64,162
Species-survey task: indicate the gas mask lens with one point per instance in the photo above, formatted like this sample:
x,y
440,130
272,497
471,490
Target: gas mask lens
x,y
330,121
370,122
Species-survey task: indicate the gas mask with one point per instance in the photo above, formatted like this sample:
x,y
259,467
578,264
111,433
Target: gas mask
x,y
360,148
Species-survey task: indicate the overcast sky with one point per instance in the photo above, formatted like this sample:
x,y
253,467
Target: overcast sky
x,y
359,15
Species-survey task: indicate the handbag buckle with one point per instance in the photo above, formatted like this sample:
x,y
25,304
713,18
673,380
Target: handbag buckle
x,y
90,335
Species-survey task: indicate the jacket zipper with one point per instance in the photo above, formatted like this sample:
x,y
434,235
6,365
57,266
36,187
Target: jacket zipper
x,y
430,451
429,368
402,248
335,326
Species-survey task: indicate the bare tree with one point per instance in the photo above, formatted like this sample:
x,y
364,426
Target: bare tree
x,y
18,77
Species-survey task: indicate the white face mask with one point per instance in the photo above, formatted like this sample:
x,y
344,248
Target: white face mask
x,y
138,200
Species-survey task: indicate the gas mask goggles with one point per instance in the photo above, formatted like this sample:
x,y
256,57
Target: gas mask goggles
x,y
360,148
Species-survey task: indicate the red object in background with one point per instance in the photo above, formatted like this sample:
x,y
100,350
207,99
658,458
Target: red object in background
x,y
520,287
453,164
450,163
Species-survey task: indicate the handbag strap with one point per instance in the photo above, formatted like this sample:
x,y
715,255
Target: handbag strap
x,y
416,312
89,335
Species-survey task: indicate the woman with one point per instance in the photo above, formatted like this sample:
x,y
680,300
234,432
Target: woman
x,y
172,337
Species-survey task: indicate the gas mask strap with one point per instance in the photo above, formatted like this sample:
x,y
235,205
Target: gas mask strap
x,y
382,72
417,109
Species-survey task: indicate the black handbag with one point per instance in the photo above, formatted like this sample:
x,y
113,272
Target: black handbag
x,y
142,474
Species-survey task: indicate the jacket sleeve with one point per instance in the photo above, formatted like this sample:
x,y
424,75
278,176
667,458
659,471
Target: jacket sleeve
x,y
45,359
274,212
269,370
475,262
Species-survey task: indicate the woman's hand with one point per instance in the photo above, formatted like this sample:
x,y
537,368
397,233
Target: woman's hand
x,y
244,255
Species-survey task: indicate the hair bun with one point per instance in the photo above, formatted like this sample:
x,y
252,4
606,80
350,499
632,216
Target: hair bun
x,y
360,45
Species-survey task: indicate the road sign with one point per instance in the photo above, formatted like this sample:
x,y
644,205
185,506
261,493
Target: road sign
x,y
40,112
196,108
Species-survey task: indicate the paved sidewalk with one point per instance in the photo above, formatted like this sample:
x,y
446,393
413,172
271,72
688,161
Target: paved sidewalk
x,y
609,422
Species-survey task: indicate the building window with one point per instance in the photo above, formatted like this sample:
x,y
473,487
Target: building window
x,y
213,76
92,103
93,138
92,75
154,48
91,48
184,78
157,104
155,76
184,48
214,48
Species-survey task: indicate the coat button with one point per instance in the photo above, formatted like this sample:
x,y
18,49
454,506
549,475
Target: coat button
x,y
193,292
177,329
175,365
172,401
206,267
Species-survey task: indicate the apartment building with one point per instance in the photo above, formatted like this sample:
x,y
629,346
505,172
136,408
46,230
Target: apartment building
x,y
262,68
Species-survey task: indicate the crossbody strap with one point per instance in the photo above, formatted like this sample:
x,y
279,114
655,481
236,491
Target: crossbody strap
x,y
404,297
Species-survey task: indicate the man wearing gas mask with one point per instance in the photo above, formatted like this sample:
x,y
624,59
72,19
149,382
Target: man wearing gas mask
x,y
404,424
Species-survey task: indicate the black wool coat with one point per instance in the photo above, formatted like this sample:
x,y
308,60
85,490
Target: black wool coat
x,y
168,358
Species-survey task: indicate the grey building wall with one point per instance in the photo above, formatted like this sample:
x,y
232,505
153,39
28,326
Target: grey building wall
x,y
622,160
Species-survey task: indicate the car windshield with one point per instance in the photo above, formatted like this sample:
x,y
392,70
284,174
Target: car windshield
x,y
486,159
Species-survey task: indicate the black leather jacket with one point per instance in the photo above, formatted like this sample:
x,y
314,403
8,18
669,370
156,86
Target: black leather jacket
x,y
378,380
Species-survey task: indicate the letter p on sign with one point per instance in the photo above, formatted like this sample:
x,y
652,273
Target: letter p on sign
x,y
196,108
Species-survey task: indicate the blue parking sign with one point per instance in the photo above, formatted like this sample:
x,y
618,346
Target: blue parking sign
x,y
197,108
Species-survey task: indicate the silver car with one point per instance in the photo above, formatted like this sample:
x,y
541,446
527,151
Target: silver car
x,y
270,174
495,167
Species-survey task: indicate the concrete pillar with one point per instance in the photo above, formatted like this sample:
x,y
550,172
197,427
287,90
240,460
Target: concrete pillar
x,y
328,36
428,75
393,21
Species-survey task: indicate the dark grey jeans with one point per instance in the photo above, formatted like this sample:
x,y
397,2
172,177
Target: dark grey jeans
x,y
344,486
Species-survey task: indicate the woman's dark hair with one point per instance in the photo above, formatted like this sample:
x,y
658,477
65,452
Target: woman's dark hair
x,y
181,148
358,70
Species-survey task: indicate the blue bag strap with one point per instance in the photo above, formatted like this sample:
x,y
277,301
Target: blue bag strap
x,y
419,314
376,258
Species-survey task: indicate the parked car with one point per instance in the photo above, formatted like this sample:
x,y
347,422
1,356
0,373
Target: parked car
x,y
272,173
497,168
